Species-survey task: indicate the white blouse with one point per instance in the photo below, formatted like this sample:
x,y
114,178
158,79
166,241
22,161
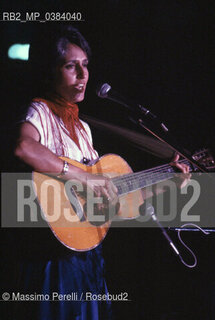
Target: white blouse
x,y
55,136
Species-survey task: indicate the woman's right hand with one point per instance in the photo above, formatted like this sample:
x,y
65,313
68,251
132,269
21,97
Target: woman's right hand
x,y
101,186
97,186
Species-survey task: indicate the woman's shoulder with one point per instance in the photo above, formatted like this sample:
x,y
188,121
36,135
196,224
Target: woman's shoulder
x,y
37,110
39,105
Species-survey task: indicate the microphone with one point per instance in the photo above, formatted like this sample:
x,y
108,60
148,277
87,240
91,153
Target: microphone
x,y
105,91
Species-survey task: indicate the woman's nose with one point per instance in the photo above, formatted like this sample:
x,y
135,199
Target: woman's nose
x,y
81,72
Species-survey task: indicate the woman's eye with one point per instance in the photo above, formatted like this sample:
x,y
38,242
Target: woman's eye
x,y
70,66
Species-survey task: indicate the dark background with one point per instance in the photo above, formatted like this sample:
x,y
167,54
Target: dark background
x,y
160,53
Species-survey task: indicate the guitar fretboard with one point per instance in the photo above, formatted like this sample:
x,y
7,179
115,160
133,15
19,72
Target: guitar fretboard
x,y
133,181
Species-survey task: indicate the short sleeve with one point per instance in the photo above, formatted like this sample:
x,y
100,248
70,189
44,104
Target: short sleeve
x,y
37,115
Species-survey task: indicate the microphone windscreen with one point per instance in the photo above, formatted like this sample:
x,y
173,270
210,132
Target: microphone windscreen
x,y
102,90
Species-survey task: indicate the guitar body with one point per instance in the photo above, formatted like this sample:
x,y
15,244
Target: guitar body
x,y
68,219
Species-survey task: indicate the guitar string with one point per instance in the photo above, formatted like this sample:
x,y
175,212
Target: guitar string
x,y
144,178
128,180
148,171
151,170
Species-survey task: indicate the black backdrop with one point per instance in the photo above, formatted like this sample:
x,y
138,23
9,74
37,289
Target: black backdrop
x,y
160,53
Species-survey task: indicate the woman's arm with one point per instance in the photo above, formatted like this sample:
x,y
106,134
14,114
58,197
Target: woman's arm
x,y
41,159
32,152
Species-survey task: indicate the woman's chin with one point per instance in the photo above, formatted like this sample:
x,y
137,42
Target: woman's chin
x,y
78,97
74,98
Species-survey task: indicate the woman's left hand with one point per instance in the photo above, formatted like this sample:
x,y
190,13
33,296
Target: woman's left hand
x,y
185,174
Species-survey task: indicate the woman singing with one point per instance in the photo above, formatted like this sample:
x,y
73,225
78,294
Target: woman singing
x,y
52,128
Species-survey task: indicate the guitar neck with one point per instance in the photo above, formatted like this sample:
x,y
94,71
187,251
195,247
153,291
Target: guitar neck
x,y
138,180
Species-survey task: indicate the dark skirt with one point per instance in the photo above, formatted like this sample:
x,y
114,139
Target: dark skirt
x,y
72,287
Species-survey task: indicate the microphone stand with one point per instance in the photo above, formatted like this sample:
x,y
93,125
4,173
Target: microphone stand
x,y
145,119
147,209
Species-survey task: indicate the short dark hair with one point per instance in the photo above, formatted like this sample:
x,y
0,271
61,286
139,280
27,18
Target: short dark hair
x,y
68,35
48,49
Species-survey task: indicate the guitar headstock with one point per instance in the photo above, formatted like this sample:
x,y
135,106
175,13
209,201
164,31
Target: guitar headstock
x,y
205,158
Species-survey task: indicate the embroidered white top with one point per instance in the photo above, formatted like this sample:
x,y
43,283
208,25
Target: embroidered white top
x,y
55,136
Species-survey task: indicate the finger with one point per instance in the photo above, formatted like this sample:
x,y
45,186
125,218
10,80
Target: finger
x,y
187,168
114,188
105,193
181,167
184,178
97,191
184,183
176,157
113,191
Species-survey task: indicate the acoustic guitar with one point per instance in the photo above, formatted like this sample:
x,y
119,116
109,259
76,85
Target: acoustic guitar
x,y
71,213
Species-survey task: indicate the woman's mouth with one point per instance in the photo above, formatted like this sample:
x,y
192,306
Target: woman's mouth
x,y
80,87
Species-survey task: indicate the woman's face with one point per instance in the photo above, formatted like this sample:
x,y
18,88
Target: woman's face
x,y
72,76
